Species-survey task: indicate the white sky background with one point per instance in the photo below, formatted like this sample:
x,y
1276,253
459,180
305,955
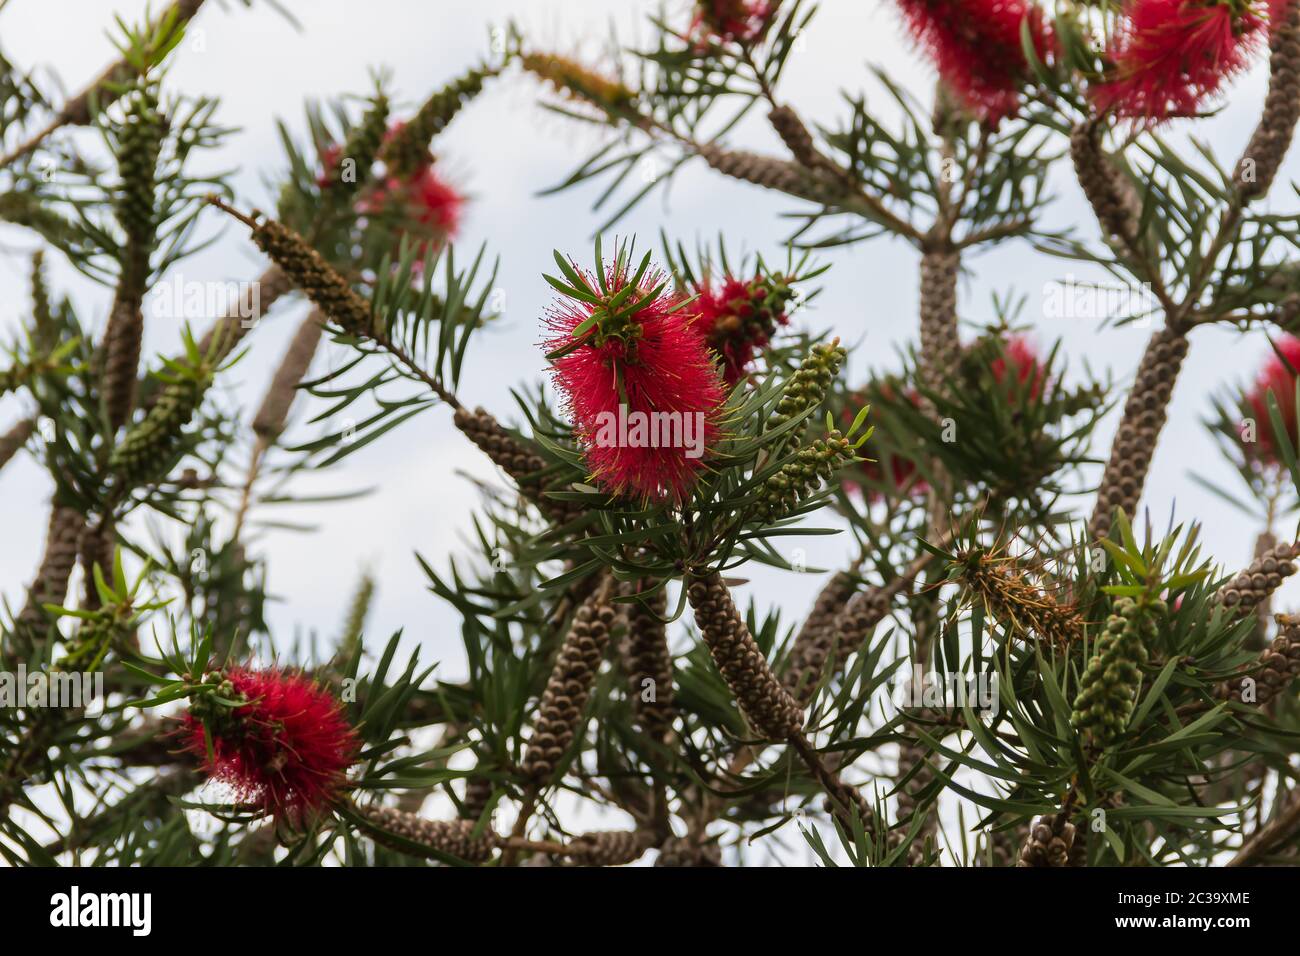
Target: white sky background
x,y
503,149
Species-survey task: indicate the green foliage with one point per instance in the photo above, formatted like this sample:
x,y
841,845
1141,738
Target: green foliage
x,y
1088,682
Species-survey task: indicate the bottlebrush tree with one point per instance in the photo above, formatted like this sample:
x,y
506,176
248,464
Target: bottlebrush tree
x,y
1081,688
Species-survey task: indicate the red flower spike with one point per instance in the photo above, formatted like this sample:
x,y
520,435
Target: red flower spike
x,y
1019,354
1274,377
424,199
739,318
329,161
1170,56
739,21
287,750
975,45
902,471
656,363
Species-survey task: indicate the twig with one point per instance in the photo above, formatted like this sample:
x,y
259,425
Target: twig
x,y
76,111
1278,830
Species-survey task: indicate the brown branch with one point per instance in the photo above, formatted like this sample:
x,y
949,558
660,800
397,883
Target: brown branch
x,y
1277,831
15,438
102,91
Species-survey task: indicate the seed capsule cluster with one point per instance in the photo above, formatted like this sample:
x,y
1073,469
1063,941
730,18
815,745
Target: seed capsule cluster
x,y
478,791
645,655
362,147
569,686
609,847
308,270
941,349
914,754
686,851
766,705
453,838
1276,669
779,174
1109,685
1112,198
270,419
1001,849
845,634
1135,441
1050,843
1255,584
798,140
51,584
807,657
521,464
1272,137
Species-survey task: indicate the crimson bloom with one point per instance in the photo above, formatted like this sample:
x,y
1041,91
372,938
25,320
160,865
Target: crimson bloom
x,y
902,471
286,750
425,201
329,166
640,386
1020,358
1170,56
741,21
738,318
1278,378
428,208
975,45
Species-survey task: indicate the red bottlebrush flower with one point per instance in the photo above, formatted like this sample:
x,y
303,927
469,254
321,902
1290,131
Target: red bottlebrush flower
x,y
643,392
286,750
1277,378
1171,55
739,318
975,45
426,205
1019,354
329,161
425,200
902,470
739,21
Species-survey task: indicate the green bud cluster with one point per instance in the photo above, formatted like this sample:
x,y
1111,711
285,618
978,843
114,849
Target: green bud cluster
x,y
803,474
356,619
86,649
808,386
210,703
139,143
1108,689
13,378
362,145
148,449
407,150
43,330
571,77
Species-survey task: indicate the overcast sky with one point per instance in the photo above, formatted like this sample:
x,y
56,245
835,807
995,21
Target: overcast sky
x,y
502,151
